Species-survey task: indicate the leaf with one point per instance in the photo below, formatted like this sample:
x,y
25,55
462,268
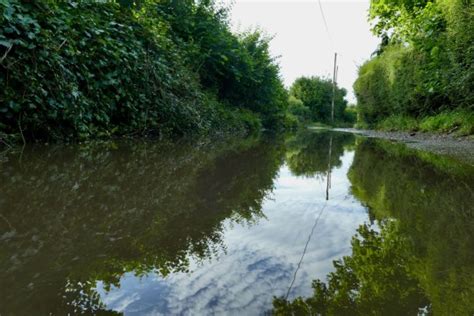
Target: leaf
x,y
7,44
14,106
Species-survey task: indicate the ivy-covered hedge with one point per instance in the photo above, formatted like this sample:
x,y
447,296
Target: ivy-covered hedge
x,y
76,70
425,63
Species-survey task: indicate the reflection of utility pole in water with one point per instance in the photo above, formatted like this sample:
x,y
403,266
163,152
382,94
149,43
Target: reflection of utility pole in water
x,y
316,221
328,174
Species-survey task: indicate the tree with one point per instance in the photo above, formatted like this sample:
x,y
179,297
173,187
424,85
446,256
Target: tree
x,y
316,94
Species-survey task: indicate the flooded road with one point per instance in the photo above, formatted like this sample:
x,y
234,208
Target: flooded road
x,y
236,227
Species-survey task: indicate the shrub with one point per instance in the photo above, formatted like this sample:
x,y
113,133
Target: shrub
x,y
425,64
350,114
298,110
75,70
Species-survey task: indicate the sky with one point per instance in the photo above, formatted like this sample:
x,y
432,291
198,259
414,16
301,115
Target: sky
x,y
301,39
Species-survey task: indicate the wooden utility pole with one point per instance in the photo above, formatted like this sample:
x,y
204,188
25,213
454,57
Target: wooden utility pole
x,y
333,86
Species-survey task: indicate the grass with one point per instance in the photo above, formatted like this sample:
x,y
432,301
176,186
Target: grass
x,y
397,123
459,123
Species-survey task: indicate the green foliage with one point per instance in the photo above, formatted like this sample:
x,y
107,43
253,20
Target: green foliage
x,y
297,108
388,84
91,73
239,69
292,122
459,122
95,69
316,94
426,64
398,122
350,115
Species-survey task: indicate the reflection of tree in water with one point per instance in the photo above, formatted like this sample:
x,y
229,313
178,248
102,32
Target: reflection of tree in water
x,y
307,152
77,216
422,257
372,281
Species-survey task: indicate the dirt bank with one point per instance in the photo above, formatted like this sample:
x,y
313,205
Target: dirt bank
x,y
460,148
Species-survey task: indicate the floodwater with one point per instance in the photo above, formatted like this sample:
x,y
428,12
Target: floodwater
x,y
236,227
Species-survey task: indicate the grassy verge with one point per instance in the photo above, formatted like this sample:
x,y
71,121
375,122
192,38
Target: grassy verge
x,y
459,123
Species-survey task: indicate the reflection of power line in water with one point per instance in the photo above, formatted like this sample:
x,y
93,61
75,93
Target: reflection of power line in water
x,y
305,248
328,186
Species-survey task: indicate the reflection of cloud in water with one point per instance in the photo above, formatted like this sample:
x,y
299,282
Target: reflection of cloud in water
x,y
260,260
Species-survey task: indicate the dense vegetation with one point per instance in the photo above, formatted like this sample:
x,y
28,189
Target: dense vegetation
x,y
76,70
423,68
311,100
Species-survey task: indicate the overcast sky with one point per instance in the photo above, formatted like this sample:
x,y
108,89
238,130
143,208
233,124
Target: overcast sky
x,y
301,39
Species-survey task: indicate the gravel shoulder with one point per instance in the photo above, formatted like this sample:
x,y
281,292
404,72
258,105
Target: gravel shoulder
x,y
460,148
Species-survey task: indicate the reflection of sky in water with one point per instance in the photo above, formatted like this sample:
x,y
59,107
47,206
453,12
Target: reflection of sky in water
x,y
259,261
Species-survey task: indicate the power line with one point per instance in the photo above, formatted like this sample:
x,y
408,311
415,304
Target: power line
x,y
335,59
325,23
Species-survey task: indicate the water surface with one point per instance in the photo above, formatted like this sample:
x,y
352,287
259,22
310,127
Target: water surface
x,y
224,227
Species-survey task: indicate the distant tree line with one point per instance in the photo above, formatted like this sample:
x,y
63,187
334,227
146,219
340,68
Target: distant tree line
x,y
310,100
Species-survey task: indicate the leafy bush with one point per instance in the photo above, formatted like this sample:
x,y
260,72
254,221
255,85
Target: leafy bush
x,y
298,110
74,70
425,64
350,115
